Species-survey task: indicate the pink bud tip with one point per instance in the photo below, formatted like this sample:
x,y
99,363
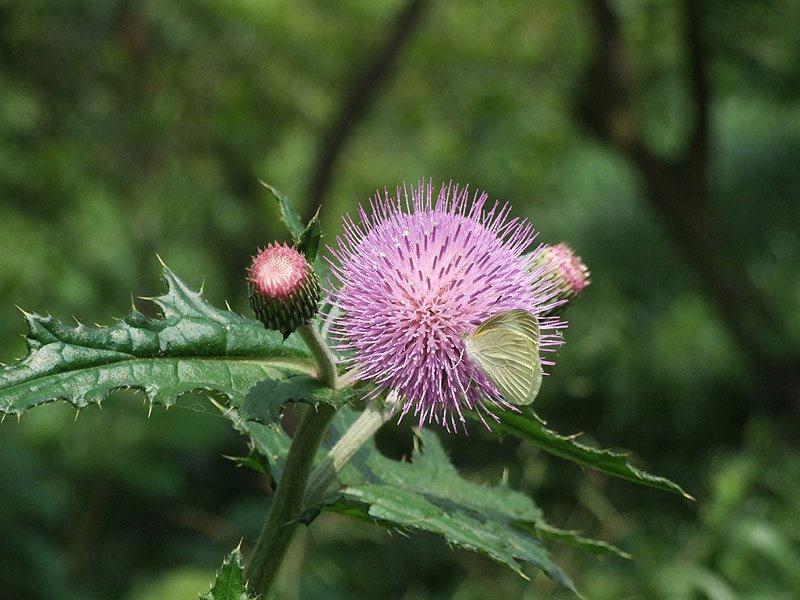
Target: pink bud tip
x,y
278,271
567,267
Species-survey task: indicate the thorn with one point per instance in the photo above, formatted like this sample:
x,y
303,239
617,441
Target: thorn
x,y
163,264
223,409
150,410
228,306
22,310
202,286
77,413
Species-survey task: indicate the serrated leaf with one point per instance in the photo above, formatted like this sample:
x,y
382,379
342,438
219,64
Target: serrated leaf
x,y
527,425
265,400
428,494
229,584
195,346
289,215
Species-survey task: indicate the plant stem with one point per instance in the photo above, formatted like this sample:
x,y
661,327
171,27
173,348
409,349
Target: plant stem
x,y
287,505
375,414
326,363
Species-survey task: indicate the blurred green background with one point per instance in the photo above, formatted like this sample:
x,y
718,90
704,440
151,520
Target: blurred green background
x,y
661,139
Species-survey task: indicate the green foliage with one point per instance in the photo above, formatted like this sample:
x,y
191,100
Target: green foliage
x,y
426,493
527,425
229,584
193,347
288,214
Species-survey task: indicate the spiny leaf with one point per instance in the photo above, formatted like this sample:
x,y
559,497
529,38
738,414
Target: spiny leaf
x,y
428,494
195,346
527,425
288,214
266,399
229,584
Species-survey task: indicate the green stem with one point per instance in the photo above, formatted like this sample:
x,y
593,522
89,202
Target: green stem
x,y
375,414
326,363
287,505
275,537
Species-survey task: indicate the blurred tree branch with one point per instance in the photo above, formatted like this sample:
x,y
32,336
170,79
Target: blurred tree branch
x,y
364,86
678,190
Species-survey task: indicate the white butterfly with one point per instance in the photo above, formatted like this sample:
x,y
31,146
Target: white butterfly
x,y
506,348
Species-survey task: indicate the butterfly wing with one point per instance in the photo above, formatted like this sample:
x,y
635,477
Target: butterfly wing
x,y
517,320
506,348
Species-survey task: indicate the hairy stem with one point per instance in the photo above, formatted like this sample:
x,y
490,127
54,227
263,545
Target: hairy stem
x,y
287,505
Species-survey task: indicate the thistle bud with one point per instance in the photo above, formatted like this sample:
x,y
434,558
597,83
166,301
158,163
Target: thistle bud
x,y
563,268
284,289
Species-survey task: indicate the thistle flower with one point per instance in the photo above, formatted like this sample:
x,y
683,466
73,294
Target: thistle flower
x,y
416,276
284,289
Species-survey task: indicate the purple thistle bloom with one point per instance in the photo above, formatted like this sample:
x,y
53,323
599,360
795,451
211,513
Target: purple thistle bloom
x,y
416,276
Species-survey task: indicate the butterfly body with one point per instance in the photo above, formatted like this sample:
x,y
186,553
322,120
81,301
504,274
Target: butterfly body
x,y
506,348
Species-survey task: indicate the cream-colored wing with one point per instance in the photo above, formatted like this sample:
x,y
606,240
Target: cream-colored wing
x,y
506,348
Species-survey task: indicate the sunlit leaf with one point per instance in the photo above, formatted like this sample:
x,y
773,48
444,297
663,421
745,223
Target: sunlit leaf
x,y
194,346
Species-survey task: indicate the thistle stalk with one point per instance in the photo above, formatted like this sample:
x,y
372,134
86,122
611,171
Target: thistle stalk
x,y
287,505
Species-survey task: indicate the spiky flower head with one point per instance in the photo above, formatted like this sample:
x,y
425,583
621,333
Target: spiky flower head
x,y
284,289
417,275
566,272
